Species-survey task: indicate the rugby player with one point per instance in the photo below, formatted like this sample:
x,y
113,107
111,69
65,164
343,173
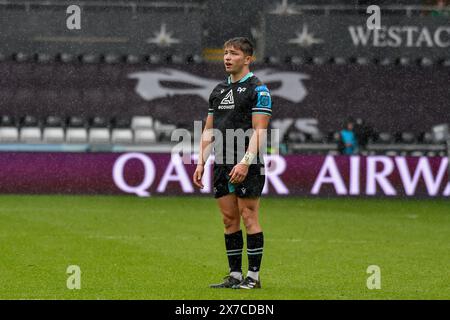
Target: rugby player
x,y
240,108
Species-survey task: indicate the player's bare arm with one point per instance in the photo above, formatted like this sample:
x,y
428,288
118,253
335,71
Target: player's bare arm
x,y
205,151
260,123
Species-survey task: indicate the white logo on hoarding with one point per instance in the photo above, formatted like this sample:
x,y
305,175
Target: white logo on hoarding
x,y
305,39
149,177
163,38
149,85
291,88
283,8
378,174
176,172
400,36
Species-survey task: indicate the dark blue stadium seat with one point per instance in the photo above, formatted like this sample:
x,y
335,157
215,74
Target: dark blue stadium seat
x,y
121,122
385,137
408,137
76,122
99,122
54,121
29,121
7,121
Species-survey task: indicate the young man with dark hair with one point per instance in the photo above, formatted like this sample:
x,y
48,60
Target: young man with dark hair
x,y
239,104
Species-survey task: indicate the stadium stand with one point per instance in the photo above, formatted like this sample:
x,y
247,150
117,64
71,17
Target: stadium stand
x,y
141,130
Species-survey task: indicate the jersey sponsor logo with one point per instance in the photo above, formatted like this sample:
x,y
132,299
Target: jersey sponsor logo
x,y
239,90
229,99
150,84
222,107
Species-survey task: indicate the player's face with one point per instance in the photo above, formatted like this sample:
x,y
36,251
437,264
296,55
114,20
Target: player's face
x,y
234,60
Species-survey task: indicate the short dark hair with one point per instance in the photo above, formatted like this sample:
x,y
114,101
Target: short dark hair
x,y
349,120
241,43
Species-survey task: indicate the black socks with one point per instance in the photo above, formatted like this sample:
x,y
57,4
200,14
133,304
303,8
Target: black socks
x,y
255,244
234,244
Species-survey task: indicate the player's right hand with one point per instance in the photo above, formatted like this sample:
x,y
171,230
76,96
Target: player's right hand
x,y
198,174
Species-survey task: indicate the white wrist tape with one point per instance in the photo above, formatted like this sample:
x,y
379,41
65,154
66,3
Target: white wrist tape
x,y
248,158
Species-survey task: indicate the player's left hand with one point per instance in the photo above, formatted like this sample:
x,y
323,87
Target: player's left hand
x,y
238,173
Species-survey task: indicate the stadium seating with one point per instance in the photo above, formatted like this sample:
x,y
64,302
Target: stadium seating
x,y
9,134
408,137
147,129
53,135
155,58
385,137
30,131
7,121
143,136
53,131
163,131
122,136
76,122
141,122
121,122
99,122
99,136
30,135
76,131
76,135
440,132
139,130
8,130
142,131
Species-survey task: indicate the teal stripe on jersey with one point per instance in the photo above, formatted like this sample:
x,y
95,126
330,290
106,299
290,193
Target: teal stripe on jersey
x,y
250,74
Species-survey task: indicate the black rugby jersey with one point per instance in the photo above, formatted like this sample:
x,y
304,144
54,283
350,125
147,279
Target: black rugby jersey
x,y
232,106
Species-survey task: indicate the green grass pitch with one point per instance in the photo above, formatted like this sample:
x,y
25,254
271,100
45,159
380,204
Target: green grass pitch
x,y
173,248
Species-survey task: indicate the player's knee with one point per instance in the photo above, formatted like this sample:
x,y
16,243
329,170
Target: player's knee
x,y
230,221
249,216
